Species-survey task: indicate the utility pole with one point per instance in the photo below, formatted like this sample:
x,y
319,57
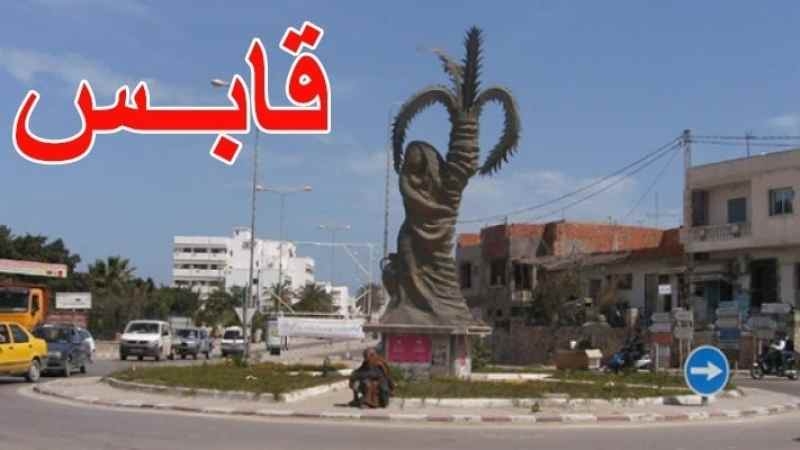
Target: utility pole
x,y
283,192
245,322
688,213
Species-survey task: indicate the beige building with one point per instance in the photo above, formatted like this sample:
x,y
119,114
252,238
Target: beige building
x,y
743,231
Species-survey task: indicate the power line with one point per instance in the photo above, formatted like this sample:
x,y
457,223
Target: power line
x,y
749,137
609,186
742,144
652,185
656,153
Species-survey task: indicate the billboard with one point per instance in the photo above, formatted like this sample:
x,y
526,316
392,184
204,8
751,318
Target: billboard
x,y
73,300
321,327
34,268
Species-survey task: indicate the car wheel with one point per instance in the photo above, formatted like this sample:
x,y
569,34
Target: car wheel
x,y
34,371
208,355
83,369
183,355
141,357
158,355
123,357
194,356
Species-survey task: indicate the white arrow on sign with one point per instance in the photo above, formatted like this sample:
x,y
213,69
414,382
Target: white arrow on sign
x,y
711,371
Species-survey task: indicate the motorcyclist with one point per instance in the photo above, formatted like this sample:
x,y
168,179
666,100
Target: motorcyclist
x,y
776,352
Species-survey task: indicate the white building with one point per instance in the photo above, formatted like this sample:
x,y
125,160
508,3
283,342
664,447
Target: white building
x,y
208,263
342,302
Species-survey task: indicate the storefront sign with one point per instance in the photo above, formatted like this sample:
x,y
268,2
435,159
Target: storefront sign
x,y
409,348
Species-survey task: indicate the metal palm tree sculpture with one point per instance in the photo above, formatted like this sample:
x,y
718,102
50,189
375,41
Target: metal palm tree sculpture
x,y
421,277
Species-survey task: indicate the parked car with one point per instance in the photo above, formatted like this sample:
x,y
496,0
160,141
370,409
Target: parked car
x,y
232,341
21,354
87,337
192,341
151,338
67,351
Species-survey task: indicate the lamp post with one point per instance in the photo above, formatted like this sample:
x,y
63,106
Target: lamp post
x,y
283,192
218,83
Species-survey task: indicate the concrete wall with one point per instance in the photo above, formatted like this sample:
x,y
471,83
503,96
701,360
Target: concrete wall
x,y
752,178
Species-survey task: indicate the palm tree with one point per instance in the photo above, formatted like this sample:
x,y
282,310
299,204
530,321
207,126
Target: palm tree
x,y
282,291
115,274
314,298
464,102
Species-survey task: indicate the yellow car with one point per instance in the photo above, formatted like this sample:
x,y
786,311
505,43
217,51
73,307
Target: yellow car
x,y
21,354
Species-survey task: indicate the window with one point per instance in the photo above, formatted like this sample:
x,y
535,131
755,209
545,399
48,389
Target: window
x,y
523,274
737,210
780,201
20,336
498,273
466,275
625,282
4,337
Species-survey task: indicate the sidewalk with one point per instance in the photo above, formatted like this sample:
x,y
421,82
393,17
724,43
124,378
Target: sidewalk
x,y
331,405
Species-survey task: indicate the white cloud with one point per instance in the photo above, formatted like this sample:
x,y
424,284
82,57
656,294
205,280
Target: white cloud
x,y
487,196
25,65
787,123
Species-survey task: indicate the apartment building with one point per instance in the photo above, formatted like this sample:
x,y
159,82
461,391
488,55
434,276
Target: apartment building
x,y
743,233
500,267
208,263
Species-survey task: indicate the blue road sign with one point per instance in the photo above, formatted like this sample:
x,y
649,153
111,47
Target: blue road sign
x,y
706,370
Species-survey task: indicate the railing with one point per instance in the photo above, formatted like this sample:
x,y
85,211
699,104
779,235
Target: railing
x,y
715,233
204,273
197,256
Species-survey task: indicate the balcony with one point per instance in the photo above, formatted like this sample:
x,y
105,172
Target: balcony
x,y
207,256
717,233
198,273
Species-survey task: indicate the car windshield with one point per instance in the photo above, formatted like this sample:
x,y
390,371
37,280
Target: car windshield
x,y
52,334
189,334
232,334
142,328
14,300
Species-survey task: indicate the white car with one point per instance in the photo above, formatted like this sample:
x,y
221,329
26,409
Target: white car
x,y
146,338
232,341
88,340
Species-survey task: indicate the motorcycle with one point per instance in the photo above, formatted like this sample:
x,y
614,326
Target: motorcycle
x,y
765,365
631,356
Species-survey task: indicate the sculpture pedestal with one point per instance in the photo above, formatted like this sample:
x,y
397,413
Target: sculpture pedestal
x,y
425,351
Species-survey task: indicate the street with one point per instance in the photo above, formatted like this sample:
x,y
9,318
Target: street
x,y
25,417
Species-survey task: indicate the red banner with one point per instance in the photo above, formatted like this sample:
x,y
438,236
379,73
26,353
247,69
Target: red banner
x,y
410,348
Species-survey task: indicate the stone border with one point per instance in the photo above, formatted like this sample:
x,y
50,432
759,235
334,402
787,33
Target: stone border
x,y
359,415
286,397
558,402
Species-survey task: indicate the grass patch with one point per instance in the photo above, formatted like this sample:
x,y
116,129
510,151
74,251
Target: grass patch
x,y
513,369
455,388
264,378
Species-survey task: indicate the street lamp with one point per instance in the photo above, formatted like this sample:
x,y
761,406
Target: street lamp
x,y
218,83
282,192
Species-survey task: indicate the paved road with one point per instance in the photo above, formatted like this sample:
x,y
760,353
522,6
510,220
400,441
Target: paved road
x,y
34,424
782,385
31,423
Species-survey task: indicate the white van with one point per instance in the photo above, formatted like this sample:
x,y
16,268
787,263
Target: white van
x,y
146,338
232,341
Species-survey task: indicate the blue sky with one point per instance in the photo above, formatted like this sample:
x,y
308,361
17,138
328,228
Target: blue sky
x,y
598,83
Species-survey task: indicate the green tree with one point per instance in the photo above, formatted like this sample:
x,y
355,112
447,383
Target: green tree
x,y
112,275
313,298
281,291
36,248
218,309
